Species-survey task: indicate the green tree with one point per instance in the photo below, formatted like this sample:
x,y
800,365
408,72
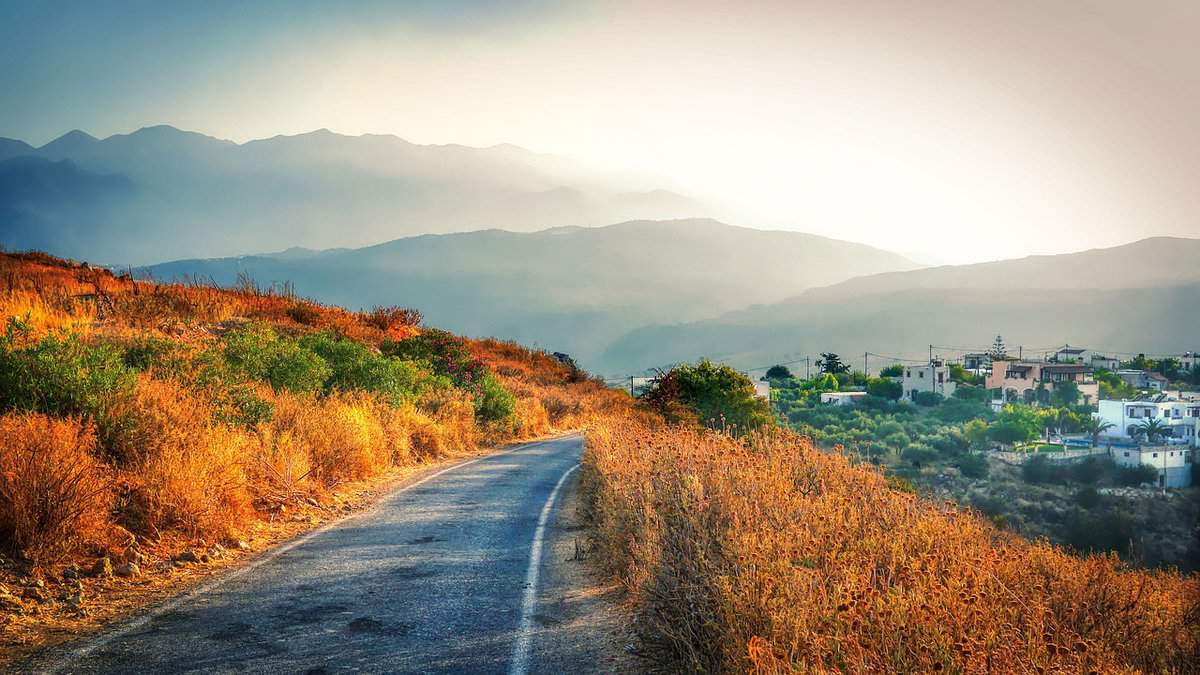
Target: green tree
x,y
713,392
1015,424
973,466
1093,427
831,364
998,352
894,370
1065,393
976,433
1153,430
778,373
885,388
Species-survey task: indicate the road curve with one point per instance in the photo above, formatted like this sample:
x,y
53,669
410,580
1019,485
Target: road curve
x,y
439,577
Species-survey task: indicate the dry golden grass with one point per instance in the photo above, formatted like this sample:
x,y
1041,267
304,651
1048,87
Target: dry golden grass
x,y
765,555
171,471
54,494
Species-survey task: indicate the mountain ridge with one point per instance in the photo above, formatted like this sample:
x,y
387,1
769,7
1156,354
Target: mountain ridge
x,y
201,195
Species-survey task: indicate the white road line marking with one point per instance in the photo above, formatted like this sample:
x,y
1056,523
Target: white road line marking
x,y
520,658
83,650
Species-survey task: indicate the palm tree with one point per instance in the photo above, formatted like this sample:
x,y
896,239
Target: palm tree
x,y
1093,427
1153,429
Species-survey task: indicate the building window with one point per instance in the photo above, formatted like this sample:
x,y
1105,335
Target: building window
x,y
921,374
1126,454
1155,455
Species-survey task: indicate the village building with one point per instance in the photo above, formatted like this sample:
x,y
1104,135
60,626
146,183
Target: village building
x,y
1034,381
933,378
842,398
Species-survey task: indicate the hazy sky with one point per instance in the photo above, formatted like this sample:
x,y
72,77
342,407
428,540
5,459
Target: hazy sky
x,y
958,130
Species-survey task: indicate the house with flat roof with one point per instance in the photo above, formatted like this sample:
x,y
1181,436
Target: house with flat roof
x,y
1069,354
842,398
933,377
1034,381
1177,419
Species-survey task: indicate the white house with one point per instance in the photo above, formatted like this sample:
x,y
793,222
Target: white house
x,y
1135,378
1105,362
1174,463
933,377
842,397
1180,418
1069,354
1189,360
762,390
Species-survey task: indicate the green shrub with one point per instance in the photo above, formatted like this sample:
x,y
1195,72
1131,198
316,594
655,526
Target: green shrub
x,y
1089,470
927,398
1039,469
1132,476
353,365
61,376
494,403
1087,497
256,352
973,466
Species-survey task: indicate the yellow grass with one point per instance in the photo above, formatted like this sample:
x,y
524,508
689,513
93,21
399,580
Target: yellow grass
x,y
766,555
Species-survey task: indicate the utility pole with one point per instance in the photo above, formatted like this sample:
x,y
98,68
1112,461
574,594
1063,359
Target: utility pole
x,y
865,373
807,371
1020,352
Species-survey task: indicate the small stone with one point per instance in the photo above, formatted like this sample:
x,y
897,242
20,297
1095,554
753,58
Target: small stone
x,y
71,572
242,545
129,569
188,556
103,568
33,593
312,502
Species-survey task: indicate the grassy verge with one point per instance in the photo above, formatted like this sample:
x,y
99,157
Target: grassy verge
x,y
763,554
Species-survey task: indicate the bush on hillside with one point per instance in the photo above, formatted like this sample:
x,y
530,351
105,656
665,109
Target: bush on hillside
x,y
927,398
257,352
353,365
973,466
54,494
1133,476
63,376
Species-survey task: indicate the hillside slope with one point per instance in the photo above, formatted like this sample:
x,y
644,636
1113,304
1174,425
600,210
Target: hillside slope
x,y
1143,296
151,430
570,289
198,195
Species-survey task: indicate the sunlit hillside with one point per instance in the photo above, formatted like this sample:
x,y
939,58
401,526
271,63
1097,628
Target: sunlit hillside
x,y
140,420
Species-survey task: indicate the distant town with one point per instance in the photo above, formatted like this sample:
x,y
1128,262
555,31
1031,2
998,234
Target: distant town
x,y
1137,410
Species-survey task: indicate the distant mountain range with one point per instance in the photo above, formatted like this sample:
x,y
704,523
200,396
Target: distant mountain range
x,y
571,289
1140,297
161,193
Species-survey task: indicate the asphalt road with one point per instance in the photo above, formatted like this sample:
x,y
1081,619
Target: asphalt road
x,y
440,577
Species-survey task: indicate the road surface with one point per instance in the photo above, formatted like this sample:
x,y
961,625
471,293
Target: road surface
x,y
441,576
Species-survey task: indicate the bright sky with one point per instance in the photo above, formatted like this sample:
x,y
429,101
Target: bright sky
x,y
952,131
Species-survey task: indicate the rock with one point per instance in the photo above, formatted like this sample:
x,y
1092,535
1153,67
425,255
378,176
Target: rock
x,y
242,545
71,572
188,556
133,555
33,593
129,569
313,502
103,568
217,551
